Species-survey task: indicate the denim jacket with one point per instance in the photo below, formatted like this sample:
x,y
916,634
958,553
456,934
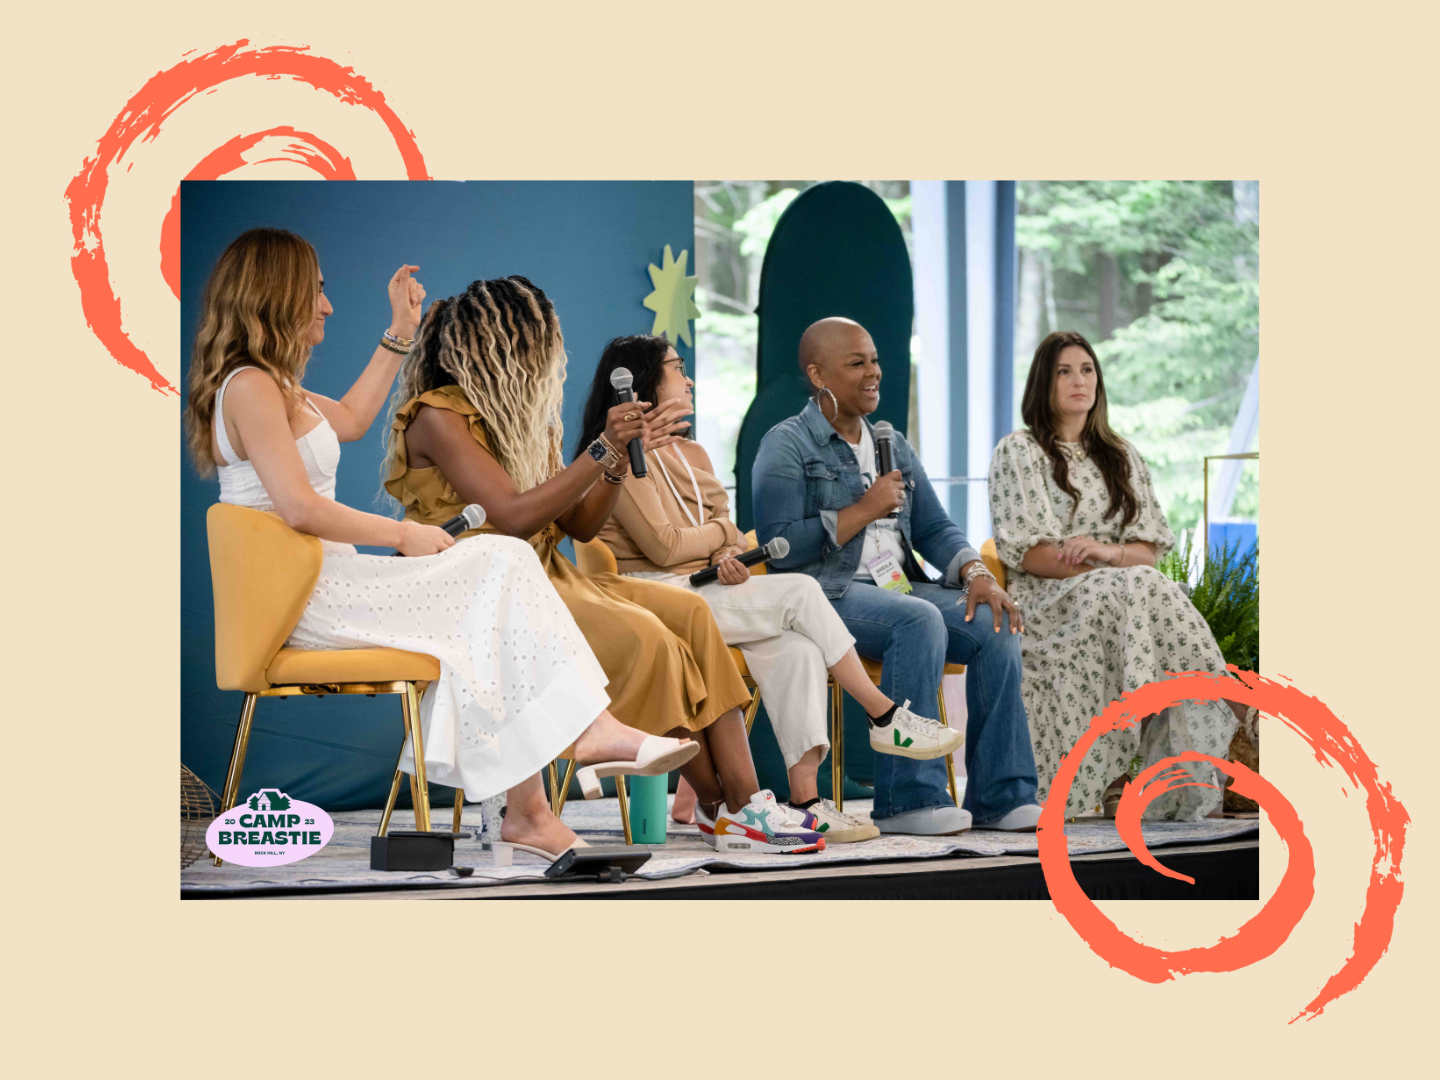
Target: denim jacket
x,y
805,474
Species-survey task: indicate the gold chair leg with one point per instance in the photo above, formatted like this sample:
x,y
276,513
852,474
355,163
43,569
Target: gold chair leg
x,y
949,758
410,704
624,797
394,793
554,789
753,709
459,806
565,787
837,744
231,794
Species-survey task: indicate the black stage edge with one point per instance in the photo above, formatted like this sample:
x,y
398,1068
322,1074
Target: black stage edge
x,y
1228,870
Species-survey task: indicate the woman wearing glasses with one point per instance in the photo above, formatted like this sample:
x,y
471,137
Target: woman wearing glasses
x,y
675,521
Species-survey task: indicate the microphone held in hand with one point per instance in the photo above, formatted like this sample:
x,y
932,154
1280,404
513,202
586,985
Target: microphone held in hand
x,y
885,454
622,380
776,549
472,517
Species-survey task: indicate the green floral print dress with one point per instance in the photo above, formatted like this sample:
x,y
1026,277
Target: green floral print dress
x,y
1090,638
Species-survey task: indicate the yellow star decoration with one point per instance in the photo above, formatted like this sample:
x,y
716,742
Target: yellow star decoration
x,y
672,301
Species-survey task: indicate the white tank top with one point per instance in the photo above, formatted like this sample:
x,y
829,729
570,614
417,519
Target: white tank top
x,y
239,483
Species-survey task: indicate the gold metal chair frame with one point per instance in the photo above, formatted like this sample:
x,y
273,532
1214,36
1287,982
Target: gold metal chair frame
x,y
263,573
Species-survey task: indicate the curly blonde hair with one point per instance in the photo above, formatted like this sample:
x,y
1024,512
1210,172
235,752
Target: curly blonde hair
x,y
256,311
500,342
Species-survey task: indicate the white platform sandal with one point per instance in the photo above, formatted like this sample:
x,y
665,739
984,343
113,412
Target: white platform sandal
x,y
503,852
658,755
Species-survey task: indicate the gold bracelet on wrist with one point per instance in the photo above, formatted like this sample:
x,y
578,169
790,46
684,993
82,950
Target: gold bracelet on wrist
x,y
385,344
395,339
614,478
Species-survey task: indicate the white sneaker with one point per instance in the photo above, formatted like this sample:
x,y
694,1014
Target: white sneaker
x,y
915,737
764,825
927,821
1021,819
835,825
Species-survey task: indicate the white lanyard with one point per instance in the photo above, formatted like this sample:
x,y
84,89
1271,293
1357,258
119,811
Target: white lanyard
x,y
694,484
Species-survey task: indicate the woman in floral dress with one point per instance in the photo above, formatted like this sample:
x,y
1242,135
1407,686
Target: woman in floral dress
x,y
1079,529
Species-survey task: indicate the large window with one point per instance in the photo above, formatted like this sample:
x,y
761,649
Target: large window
x,y
1163,278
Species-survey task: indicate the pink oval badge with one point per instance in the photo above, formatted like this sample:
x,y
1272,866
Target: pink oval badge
x,y
269,829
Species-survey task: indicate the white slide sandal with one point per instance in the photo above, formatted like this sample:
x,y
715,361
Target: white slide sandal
x,y
503,852
658,755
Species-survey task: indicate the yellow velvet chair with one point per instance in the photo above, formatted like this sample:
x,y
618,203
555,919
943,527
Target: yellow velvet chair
x,y
263,573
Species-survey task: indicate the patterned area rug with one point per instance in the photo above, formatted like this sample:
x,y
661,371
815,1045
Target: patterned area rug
x,y
345,861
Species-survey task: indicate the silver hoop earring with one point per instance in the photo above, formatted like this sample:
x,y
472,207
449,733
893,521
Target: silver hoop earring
x,y
827,390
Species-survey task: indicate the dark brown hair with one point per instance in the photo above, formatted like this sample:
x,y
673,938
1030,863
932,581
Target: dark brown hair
x,y
1097,438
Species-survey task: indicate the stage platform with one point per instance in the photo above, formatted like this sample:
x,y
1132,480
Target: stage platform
x,y
1222,855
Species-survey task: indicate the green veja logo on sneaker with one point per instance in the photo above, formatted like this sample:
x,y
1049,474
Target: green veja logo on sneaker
x,y
900,744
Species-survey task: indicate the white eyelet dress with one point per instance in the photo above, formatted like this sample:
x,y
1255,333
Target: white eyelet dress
x,y
517,682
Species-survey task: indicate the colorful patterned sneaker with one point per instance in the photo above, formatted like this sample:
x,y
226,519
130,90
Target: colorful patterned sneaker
x,y
764,825
911,736
705,824
836,826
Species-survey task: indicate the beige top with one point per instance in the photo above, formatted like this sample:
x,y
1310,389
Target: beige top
x,y
649,530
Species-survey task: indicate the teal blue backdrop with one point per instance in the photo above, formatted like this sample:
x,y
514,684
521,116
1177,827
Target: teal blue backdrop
x,y
586,244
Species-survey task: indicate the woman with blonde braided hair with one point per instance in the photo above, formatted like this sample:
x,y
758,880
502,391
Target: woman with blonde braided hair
x,y
477,419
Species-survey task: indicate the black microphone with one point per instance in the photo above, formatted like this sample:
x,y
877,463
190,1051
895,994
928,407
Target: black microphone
x,y
472,517
622,380
885,453
776,549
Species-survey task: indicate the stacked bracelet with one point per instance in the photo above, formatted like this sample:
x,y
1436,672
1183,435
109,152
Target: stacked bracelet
x,y
395,343
613,478
980,571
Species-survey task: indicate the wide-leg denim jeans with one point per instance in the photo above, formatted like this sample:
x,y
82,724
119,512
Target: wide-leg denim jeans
x,y
914,637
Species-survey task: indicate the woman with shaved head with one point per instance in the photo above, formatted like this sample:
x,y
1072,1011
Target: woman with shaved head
x,y
816,482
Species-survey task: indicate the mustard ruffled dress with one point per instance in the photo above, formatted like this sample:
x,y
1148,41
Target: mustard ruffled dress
x,y
659,646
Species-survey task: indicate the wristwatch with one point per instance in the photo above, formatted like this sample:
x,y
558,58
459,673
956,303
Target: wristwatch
x,y
603,453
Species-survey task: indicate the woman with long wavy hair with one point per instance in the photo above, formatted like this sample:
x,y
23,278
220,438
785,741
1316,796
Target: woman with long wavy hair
x,y
1079,529
477,419
517,685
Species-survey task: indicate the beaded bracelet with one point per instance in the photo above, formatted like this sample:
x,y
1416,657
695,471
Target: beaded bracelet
x,y
395,339
612,478
385,344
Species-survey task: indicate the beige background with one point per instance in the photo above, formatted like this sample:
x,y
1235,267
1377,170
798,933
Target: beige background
x,y
1321,103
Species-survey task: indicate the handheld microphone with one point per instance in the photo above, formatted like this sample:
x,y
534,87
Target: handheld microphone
x,y
472,517
885,453
622,380
775,549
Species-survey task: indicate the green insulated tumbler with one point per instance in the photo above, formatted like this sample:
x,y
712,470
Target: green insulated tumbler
x,y
648,809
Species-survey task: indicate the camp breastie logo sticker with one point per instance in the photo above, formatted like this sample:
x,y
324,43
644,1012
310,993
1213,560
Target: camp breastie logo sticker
x,y
269,829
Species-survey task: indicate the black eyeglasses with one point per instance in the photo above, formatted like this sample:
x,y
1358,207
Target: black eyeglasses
x,y
681,361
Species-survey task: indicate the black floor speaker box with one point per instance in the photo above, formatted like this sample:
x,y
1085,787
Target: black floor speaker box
x,y
414,850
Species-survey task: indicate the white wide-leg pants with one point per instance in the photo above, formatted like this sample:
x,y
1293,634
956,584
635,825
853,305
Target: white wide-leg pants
x,y
790,636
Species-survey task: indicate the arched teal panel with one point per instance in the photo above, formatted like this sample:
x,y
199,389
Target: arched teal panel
x,y
837,250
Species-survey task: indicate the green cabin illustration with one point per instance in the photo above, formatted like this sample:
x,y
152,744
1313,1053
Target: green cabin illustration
x,y
269,799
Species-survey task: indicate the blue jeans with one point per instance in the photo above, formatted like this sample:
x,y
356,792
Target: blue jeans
x,y
914,637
